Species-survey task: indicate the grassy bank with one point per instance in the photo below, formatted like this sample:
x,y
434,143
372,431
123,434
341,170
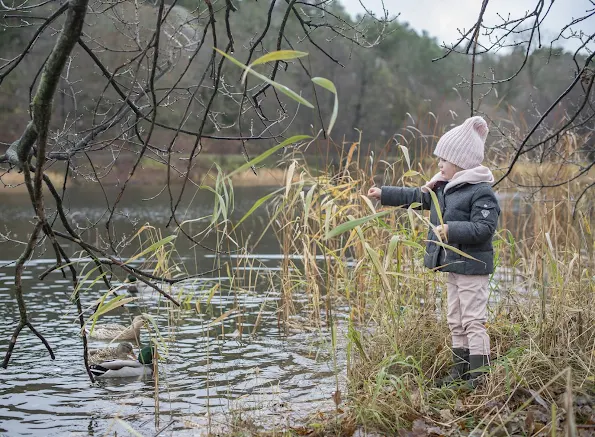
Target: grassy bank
x,y
151,172
541,315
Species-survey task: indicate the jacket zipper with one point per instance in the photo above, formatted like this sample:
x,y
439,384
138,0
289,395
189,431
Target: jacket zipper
x,y
443,213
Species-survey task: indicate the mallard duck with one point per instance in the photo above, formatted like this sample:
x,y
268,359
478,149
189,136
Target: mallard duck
x,y
143,292
126,368
134,286
123,351
112,331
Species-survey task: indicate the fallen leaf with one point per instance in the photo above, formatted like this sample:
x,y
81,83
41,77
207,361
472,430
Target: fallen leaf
x,y
539,415
459,407
515,426
529,423
421,428
419,425
435,430
415,399
337,397
446,415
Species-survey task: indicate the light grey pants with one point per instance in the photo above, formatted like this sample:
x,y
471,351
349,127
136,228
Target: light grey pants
x,y
467,312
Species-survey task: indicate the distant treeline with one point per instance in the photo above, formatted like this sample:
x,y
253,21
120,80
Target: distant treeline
x,y
381,89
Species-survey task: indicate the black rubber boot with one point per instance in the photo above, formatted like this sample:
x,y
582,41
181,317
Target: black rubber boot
x,y
460,366
478,368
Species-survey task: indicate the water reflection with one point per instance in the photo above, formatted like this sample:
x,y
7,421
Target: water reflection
x,y
203,369
208,367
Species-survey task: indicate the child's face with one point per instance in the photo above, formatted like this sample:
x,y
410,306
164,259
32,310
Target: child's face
x,y
447,169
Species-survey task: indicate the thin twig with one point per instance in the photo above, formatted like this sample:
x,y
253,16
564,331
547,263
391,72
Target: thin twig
x,y
475,38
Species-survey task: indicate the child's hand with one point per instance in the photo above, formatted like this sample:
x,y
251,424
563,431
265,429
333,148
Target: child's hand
x,y
442,231
374,193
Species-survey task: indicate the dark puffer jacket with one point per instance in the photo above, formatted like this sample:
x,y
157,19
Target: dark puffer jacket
x,y
471,212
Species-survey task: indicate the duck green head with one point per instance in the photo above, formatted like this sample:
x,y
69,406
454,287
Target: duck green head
x,y
131,279
145,356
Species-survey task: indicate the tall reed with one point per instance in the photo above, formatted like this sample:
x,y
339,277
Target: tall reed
x,y
342,252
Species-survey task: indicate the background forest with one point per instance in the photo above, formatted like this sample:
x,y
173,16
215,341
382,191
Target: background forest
x,y
381,89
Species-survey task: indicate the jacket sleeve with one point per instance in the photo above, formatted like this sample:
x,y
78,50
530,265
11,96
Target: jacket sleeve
x,y
404,196
483,220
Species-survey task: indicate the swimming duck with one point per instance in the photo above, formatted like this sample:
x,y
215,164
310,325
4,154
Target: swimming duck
x,y
112,331
123,351
126,368
134,286
143,292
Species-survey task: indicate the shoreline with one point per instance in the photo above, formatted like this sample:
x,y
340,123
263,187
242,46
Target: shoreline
x,y
14,182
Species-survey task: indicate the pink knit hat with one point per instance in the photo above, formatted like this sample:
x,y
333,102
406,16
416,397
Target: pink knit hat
x,y
463,145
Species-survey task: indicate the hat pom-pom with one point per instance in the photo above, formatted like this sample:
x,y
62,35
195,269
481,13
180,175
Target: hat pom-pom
x,y
480,126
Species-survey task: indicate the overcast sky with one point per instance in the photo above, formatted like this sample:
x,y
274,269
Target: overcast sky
x,y
441,18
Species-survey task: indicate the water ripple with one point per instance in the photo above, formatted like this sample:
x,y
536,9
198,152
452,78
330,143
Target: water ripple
x,y
201,369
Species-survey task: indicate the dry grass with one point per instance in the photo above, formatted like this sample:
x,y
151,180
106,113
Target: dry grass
x,y
15,181
542,318
273,177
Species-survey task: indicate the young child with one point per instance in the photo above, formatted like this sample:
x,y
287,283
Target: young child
x,y
470,213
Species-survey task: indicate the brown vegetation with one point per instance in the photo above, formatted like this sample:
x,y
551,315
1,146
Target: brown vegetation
x,y
542,312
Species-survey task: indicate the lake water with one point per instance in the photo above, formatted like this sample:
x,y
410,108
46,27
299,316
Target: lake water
x,y
208,372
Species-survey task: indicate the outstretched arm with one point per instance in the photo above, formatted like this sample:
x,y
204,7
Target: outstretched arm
x,y
404,197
